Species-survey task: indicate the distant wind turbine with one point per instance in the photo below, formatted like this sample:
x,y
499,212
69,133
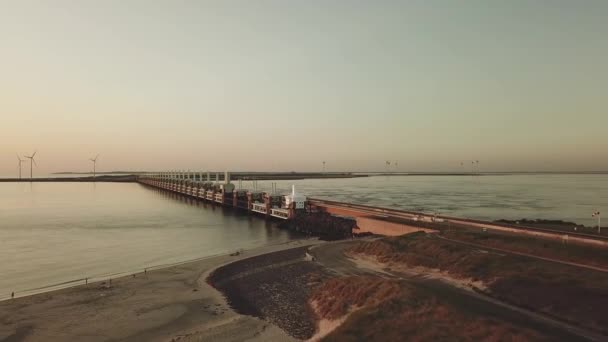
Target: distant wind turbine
x,y
20,161
32,161
94,160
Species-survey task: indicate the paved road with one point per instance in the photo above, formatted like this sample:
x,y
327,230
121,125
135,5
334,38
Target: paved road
x,y
425,219
332,257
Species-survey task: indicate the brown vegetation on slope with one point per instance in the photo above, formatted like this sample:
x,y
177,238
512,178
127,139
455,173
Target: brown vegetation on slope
x,y
390,310
573,294
338,296
553,249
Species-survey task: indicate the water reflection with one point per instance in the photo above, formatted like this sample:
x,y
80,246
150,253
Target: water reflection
x,y
55,232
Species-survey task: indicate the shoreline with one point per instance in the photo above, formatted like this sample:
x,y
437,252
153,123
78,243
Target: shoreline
x,y
158,305
19,293
259,294
93,279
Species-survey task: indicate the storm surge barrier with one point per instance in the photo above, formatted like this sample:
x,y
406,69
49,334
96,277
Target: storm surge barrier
x,y
218,188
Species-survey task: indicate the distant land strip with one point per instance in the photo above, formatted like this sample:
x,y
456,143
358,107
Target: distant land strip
x,y
121,179
125,176
344,174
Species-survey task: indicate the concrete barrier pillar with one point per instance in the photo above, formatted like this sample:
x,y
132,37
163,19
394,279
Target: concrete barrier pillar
x,y
267,203
249,201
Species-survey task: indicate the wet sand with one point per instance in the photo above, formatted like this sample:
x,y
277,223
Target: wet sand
x,y
170,304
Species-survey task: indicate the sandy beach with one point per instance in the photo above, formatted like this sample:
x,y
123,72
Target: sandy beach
x,y
170,304
265,294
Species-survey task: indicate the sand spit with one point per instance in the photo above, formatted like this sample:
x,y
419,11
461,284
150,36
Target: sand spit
x,y
170,304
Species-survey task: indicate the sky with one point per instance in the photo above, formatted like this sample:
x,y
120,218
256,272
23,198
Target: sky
x,y
285,85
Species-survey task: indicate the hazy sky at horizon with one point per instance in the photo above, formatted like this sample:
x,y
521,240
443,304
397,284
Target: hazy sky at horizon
x,y
284,85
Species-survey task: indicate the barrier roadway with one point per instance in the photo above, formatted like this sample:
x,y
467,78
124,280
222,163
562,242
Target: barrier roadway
x,y
417,219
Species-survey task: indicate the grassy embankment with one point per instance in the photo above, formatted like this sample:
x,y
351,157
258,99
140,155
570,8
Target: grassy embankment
x,y
388,310
575,295
553,249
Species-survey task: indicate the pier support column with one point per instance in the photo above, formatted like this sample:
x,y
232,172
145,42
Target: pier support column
x,y
249,201
292,211
267,204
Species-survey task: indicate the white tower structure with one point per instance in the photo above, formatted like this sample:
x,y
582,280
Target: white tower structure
x,y
297,199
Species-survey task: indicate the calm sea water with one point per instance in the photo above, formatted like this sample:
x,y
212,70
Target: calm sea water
x,y
51,233
56,232
566,197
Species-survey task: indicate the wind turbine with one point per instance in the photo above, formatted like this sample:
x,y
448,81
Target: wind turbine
x,y
94,160
20,161
32,161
